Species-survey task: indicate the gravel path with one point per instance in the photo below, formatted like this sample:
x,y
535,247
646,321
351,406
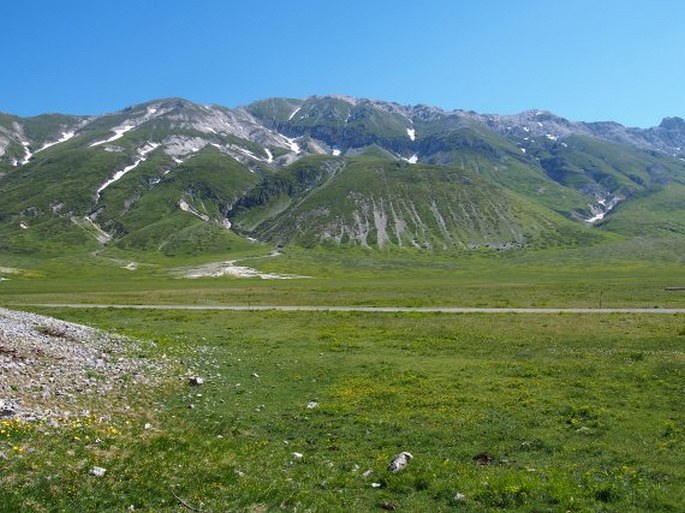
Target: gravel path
x,y
48,367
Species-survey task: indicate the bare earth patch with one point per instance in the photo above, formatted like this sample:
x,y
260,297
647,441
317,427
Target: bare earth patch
x,y
229,268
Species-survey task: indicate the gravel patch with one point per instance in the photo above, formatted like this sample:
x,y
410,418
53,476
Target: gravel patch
x,y
230,268
52,369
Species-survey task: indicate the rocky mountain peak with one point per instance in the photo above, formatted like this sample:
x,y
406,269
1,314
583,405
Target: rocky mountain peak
x,y
674,123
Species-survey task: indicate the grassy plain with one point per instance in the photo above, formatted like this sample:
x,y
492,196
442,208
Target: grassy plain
x,y
514,412
625,273
571,413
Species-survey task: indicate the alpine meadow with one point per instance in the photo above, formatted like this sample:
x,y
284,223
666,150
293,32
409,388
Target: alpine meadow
x,y
338,304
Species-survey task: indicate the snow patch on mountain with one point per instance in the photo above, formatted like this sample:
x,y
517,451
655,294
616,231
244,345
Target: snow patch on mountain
x,y
65,137
412,160
151,112
294,112
148,147
142,156
248,153
118,134
243,155
294,147
604,205
28,153
118,175
411,133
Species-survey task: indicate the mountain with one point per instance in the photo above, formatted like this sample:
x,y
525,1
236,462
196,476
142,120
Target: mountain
x,y
173,176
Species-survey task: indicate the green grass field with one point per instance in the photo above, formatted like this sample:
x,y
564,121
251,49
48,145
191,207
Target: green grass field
x,y
514,412
572,413
632,273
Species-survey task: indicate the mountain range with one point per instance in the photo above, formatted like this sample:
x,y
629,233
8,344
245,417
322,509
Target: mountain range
x,y
176,177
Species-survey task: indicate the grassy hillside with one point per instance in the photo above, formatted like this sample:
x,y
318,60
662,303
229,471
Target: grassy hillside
x,y
501,161
276,110
660,213
205,186
586,164
64,175
377,203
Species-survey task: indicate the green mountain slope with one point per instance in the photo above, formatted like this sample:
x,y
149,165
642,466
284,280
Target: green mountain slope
x,y
376,203
176,177
185,211
660,213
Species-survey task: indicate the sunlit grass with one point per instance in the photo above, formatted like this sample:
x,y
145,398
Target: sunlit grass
x,y
579,413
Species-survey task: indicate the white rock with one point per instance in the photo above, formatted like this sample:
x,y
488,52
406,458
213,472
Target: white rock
x,y
400,461
98,471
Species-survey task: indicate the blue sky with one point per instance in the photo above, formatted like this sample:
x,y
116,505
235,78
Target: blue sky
x,y
584,60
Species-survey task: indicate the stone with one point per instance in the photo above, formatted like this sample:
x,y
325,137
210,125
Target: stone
x,y
7,412
98,471
400,462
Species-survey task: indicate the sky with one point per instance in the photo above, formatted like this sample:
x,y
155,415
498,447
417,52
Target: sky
x,y
589,60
